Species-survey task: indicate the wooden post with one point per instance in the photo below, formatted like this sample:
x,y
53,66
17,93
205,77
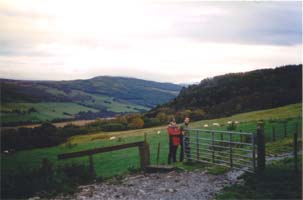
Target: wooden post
x,y
261,147
91,166
158,153
296,149
197,144
144,155
273,134
213,150
222,143
296,174
285,129
230,151
253,152
146,149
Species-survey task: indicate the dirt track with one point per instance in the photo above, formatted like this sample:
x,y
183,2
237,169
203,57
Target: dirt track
x,y
173,185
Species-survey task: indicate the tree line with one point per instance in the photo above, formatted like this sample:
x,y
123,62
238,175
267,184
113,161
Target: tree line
x,y
234,93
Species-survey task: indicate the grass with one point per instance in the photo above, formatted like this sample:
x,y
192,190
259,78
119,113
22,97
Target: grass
x,y
278,181
121,162
112,105
114,163
45,111
282,146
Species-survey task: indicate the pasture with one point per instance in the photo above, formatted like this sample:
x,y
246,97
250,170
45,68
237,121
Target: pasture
x,y
20,112
119,162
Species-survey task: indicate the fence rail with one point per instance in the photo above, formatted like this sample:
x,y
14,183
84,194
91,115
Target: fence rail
x,y
142,146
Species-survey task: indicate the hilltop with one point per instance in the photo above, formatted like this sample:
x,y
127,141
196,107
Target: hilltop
x,y
234,93
101,96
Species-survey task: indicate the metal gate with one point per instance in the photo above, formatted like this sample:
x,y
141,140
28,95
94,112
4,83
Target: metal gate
x,y
226,148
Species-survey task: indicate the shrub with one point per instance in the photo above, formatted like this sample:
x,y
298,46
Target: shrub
x,y
45,181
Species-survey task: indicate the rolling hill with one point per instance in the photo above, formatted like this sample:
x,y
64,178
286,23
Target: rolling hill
x,y
234,93
102,96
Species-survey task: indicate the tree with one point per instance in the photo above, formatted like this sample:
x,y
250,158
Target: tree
x,y
162,117
136,123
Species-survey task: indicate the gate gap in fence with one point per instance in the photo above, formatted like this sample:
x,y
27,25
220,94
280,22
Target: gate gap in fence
x,y
225,148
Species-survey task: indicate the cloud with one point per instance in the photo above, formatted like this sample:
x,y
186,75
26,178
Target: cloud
x,y
274,23
164,41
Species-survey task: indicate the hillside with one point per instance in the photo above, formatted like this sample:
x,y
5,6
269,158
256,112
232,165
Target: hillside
x,y
103,96
229,94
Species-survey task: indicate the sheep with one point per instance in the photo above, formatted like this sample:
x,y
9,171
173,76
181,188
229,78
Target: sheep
x,y
112,138
216,124
205,125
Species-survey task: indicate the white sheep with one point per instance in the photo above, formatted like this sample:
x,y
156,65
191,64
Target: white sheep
x,y
112,138
216,124
205,125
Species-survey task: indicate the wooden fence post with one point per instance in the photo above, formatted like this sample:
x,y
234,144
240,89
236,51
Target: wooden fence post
x,y
158,153
261,147
230,150
197,143
91,166
213,149
285,128
273,133
144,155
296,174
296,149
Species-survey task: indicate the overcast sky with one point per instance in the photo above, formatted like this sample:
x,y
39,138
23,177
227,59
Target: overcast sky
x,y
170,41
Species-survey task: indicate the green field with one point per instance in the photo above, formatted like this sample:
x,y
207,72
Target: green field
x,y
112,105
114,163
44,111
19,112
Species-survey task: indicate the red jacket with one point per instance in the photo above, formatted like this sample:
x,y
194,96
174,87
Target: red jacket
x,y
174,132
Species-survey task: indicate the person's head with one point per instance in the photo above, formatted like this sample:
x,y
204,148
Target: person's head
x,y
173,122
186,120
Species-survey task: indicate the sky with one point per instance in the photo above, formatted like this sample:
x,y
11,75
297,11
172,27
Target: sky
x,y
166,41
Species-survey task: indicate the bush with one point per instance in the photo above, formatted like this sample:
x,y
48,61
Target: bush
x,y
45,181
149,122
112,126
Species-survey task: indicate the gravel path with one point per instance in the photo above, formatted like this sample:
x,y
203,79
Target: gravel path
x,y
173,185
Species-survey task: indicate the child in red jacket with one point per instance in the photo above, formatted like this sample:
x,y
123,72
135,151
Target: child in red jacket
x,y
174,140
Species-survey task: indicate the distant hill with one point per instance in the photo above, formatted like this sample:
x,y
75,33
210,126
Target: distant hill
x,y
101,96
237,92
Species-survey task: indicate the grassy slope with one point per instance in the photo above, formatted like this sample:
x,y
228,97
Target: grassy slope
x,y
45,111
112,163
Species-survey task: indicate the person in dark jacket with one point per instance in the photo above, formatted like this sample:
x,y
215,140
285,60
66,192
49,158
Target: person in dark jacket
x,y
174,140
184,140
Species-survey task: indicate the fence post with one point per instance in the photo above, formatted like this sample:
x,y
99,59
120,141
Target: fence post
x,y
261,147
296,174
296,148
158,153
197,143
91,166
213,149
273,133
230,151
285,128
253,152
144,155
